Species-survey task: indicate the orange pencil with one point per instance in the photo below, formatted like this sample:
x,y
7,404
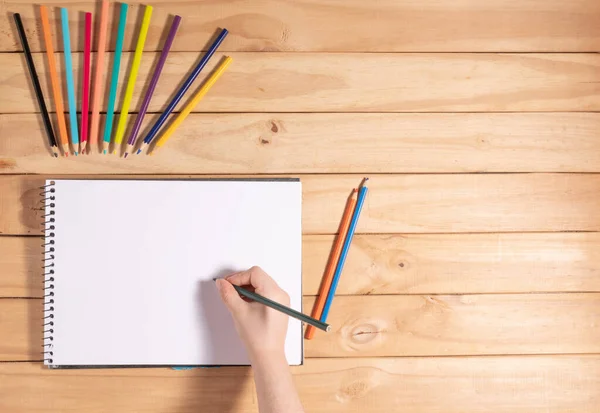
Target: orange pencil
x,y
332,264
54,79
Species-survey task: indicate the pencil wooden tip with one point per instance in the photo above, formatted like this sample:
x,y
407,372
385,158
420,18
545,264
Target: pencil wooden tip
x,y
125,156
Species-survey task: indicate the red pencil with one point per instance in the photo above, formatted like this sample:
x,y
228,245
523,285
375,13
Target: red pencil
x,y
87,57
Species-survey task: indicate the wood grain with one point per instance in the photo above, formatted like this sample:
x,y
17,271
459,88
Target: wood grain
x,y
434,25
402,264
455,264
443,325
346,82
476,384
335,142
22,319
396,203
537,384
401,325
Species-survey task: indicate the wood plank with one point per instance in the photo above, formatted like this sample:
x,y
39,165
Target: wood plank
x,y
401,325
375,82
21,271
22,319
444,325
396,203
402,264
453,385
459,263
435,25
336,142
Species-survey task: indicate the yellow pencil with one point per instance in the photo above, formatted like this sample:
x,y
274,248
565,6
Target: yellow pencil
x,y
135,66
210,81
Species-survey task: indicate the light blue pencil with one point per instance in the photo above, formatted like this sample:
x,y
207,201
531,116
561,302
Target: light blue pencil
x,y
340,266
114,79
70,83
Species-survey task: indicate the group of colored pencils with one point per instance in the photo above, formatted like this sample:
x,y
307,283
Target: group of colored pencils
x,y
83,138
337,258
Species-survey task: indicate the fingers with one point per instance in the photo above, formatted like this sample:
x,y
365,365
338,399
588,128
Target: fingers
x,y
230,296
261,283
255,277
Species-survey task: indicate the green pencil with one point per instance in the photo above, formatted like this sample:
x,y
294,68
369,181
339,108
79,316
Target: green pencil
x,y
282,308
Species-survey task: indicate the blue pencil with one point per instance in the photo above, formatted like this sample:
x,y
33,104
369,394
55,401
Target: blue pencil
x,y
114,79
340,266
70,82
186,85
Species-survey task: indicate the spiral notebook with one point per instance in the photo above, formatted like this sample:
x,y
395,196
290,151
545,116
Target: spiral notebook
x,y
129,267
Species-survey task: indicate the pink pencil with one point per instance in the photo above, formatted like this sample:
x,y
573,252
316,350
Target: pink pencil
x,y
87,56
97,92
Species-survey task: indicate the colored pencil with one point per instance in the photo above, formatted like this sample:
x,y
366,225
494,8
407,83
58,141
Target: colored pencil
x,y
153,82
97,91
208,83
282,308
87,56
55,81
186,85
114,80
70,80
36,84
135,66
332,264
362,194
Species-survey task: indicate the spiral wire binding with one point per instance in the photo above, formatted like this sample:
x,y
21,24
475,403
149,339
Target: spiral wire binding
x,y
48,196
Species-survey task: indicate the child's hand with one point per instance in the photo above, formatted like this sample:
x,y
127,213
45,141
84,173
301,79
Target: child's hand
x,y
262,329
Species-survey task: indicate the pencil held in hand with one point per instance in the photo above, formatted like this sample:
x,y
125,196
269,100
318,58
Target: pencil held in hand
x,y
259,280
333,261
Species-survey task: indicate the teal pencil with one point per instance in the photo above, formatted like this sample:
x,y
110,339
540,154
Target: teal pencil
x,y
114,79
70,82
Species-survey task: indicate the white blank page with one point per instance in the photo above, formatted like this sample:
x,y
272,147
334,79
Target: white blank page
x,y
134,263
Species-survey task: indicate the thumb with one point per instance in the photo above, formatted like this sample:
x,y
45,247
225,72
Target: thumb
x,y
230,296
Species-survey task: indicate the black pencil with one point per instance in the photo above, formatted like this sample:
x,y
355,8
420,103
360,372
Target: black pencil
x,y
36,84
280,307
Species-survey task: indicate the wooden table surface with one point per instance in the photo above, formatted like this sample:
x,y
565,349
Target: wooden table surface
x,y
474,283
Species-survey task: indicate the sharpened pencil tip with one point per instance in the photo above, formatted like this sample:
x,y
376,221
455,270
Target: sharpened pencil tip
x,y
75,153
214,279
67,154
104,152
56,155
125,156
138,152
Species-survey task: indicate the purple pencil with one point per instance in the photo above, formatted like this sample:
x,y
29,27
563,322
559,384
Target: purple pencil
x,y
152,85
